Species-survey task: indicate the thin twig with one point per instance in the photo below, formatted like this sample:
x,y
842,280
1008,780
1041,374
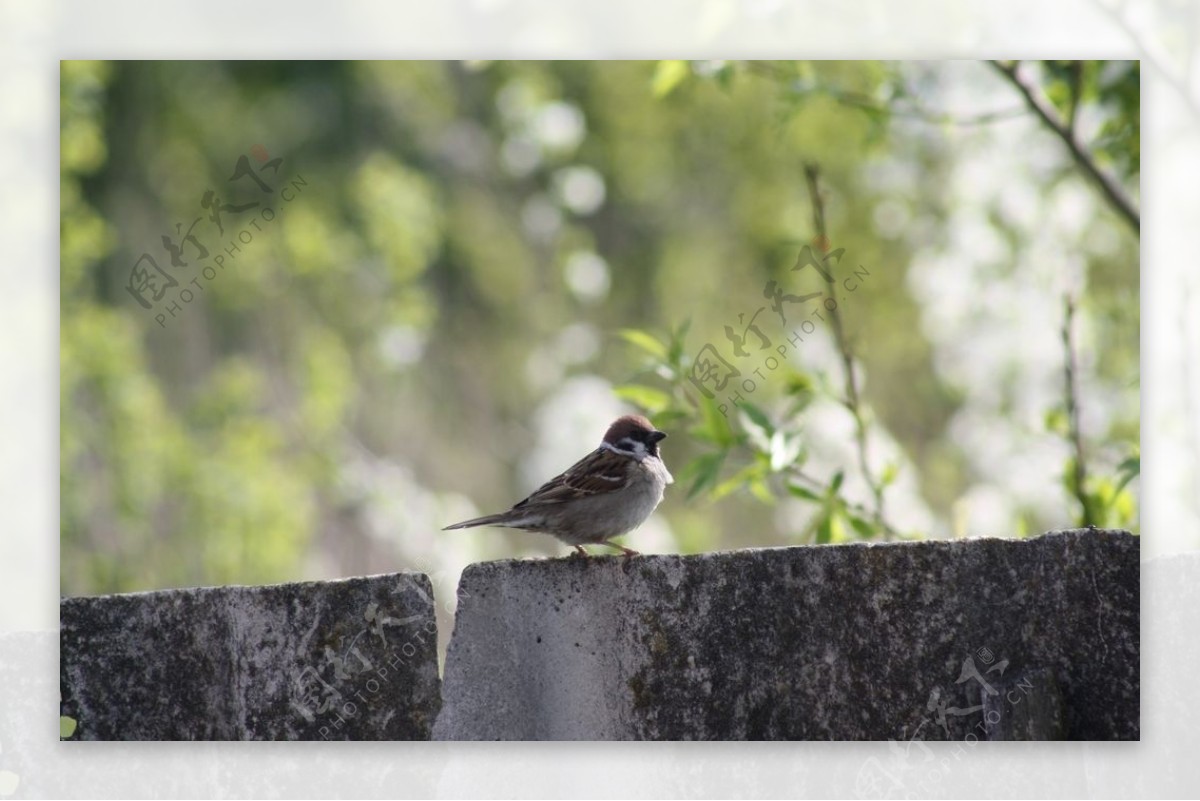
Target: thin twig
x,y
1049,116
865,102
853,402
1079,477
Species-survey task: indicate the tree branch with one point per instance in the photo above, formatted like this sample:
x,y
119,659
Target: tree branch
x,y
1049,116
1079,477
853,402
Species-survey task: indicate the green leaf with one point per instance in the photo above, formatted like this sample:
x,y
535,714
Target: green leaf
x,y
757,427
801,388
667,76
836,483
1059,93
1100,497
784,450
1056,421
1068,475
759,489
1121,509
757,416
890,471
735,482
675,351
705,468
864,528
648,398
837,529
669,418
66,726
644,341
1130,469
803,493
713,425
724,76
825,529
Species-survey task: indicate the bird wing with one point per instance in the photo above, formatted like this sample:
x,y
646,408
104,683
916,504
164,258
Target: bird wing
x,y
599,472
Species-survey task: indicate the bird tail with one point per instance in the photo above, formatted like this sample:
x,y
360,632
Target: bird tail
x,y
486,520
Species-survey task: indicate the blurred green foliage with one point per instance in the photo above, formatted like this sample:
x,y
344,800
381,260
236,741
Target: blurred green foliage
x,y
66,727
1115,88
463,240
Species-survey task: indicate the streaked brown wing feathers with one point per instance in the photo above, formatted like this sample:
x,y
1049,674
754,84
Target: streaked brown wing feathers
x,y
600,471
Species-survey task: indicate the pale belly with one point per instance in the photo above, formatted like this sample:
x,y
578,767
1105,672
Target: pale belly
x,y
603,517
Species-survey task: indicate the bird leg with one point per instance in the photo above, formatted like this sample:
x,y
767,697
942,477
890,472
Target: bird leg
x,y
627,551
580,551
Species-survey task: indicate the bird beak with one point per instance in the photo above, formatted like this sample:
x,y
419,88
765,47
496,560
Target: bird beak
x,y
657,437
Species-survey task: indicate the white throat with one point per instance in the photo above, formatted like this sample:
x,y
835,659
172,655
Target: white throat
x,y
628,447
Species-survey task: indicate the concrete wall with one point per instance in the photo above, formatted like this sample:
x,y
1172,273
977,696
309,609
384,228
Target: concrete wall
x,y
931,639
336,660
999,639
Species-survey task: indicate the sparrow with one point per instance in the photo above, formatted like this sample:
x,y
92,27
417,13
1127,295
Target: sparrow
x,y
607,493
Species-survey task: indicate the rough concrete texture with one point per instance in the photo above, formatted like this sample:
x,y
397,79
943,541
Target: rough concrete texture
x,y
857,642
338,660
1040,715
